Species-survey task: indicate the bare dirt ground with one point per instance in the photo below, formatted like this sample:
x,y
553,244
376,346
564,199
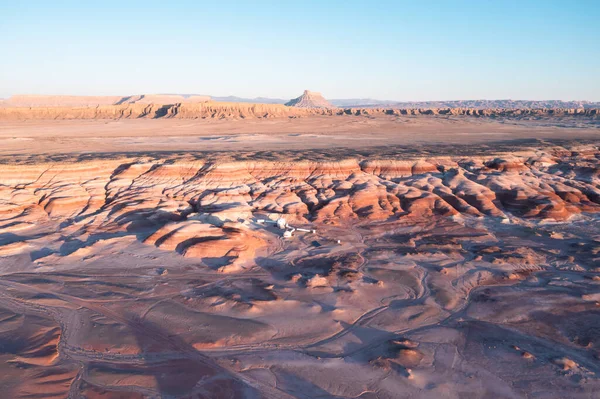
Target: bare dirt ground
x,y
133,263
277,134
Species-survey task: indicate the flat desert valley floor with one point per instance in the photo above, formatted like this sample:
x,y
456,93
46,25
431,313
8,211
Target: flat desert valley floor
x,y
124,136
453,257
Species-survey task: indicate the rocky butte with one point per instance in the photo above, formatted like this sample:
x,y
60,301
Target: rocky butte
x,y
309,99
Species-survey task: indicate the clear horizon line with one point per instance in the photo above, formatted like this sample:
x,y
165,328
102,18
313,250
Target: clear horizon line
x,y
280,98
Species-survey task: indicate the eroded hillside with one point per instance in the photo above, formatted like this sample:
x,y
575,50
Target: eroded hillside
x,y
153,276
222,110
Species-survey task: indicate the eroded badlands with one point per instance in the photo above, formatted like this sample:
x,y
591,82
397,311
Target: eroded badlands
x,y
149,276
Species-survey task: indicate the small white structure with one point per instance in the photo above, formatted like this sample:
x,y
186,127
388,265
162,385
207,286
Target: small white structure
x,y
282,224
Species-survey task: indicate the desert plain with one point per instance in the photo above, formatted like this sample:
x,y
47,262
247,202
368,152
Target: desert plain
x,y
454,255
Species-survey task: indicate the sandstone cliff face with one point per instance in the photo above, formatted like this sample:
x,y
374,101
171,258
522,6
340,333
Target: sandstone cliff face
x,y
211,110
218,110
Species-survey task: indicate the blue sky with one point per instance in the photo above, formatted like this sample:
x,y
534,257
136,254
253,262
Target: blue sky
x,y
398,50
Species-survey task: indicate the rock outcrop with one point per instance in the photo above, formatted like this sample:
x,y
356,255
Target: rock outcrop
x,y
475,104
309,99
218,110
539,185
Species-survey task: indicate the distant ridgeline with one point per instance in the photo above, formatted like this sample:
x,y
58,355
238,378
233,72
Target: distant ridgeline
x,y
308,99
202,107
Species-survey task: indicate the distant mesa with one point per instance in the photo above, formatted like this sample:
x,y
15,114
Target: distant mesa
x,y
162,99
309,99
95,101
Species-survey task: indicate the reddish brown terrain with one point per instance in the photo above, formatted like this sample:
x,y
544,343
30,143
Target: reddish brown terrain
x,y
454,255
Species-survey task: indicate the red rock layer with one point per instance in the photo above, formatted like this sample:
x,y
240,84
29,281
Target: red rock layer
x,y
204,207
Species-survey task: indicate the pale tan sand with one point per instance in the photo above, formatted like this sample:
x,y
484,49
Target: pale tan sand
x,y
315,132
